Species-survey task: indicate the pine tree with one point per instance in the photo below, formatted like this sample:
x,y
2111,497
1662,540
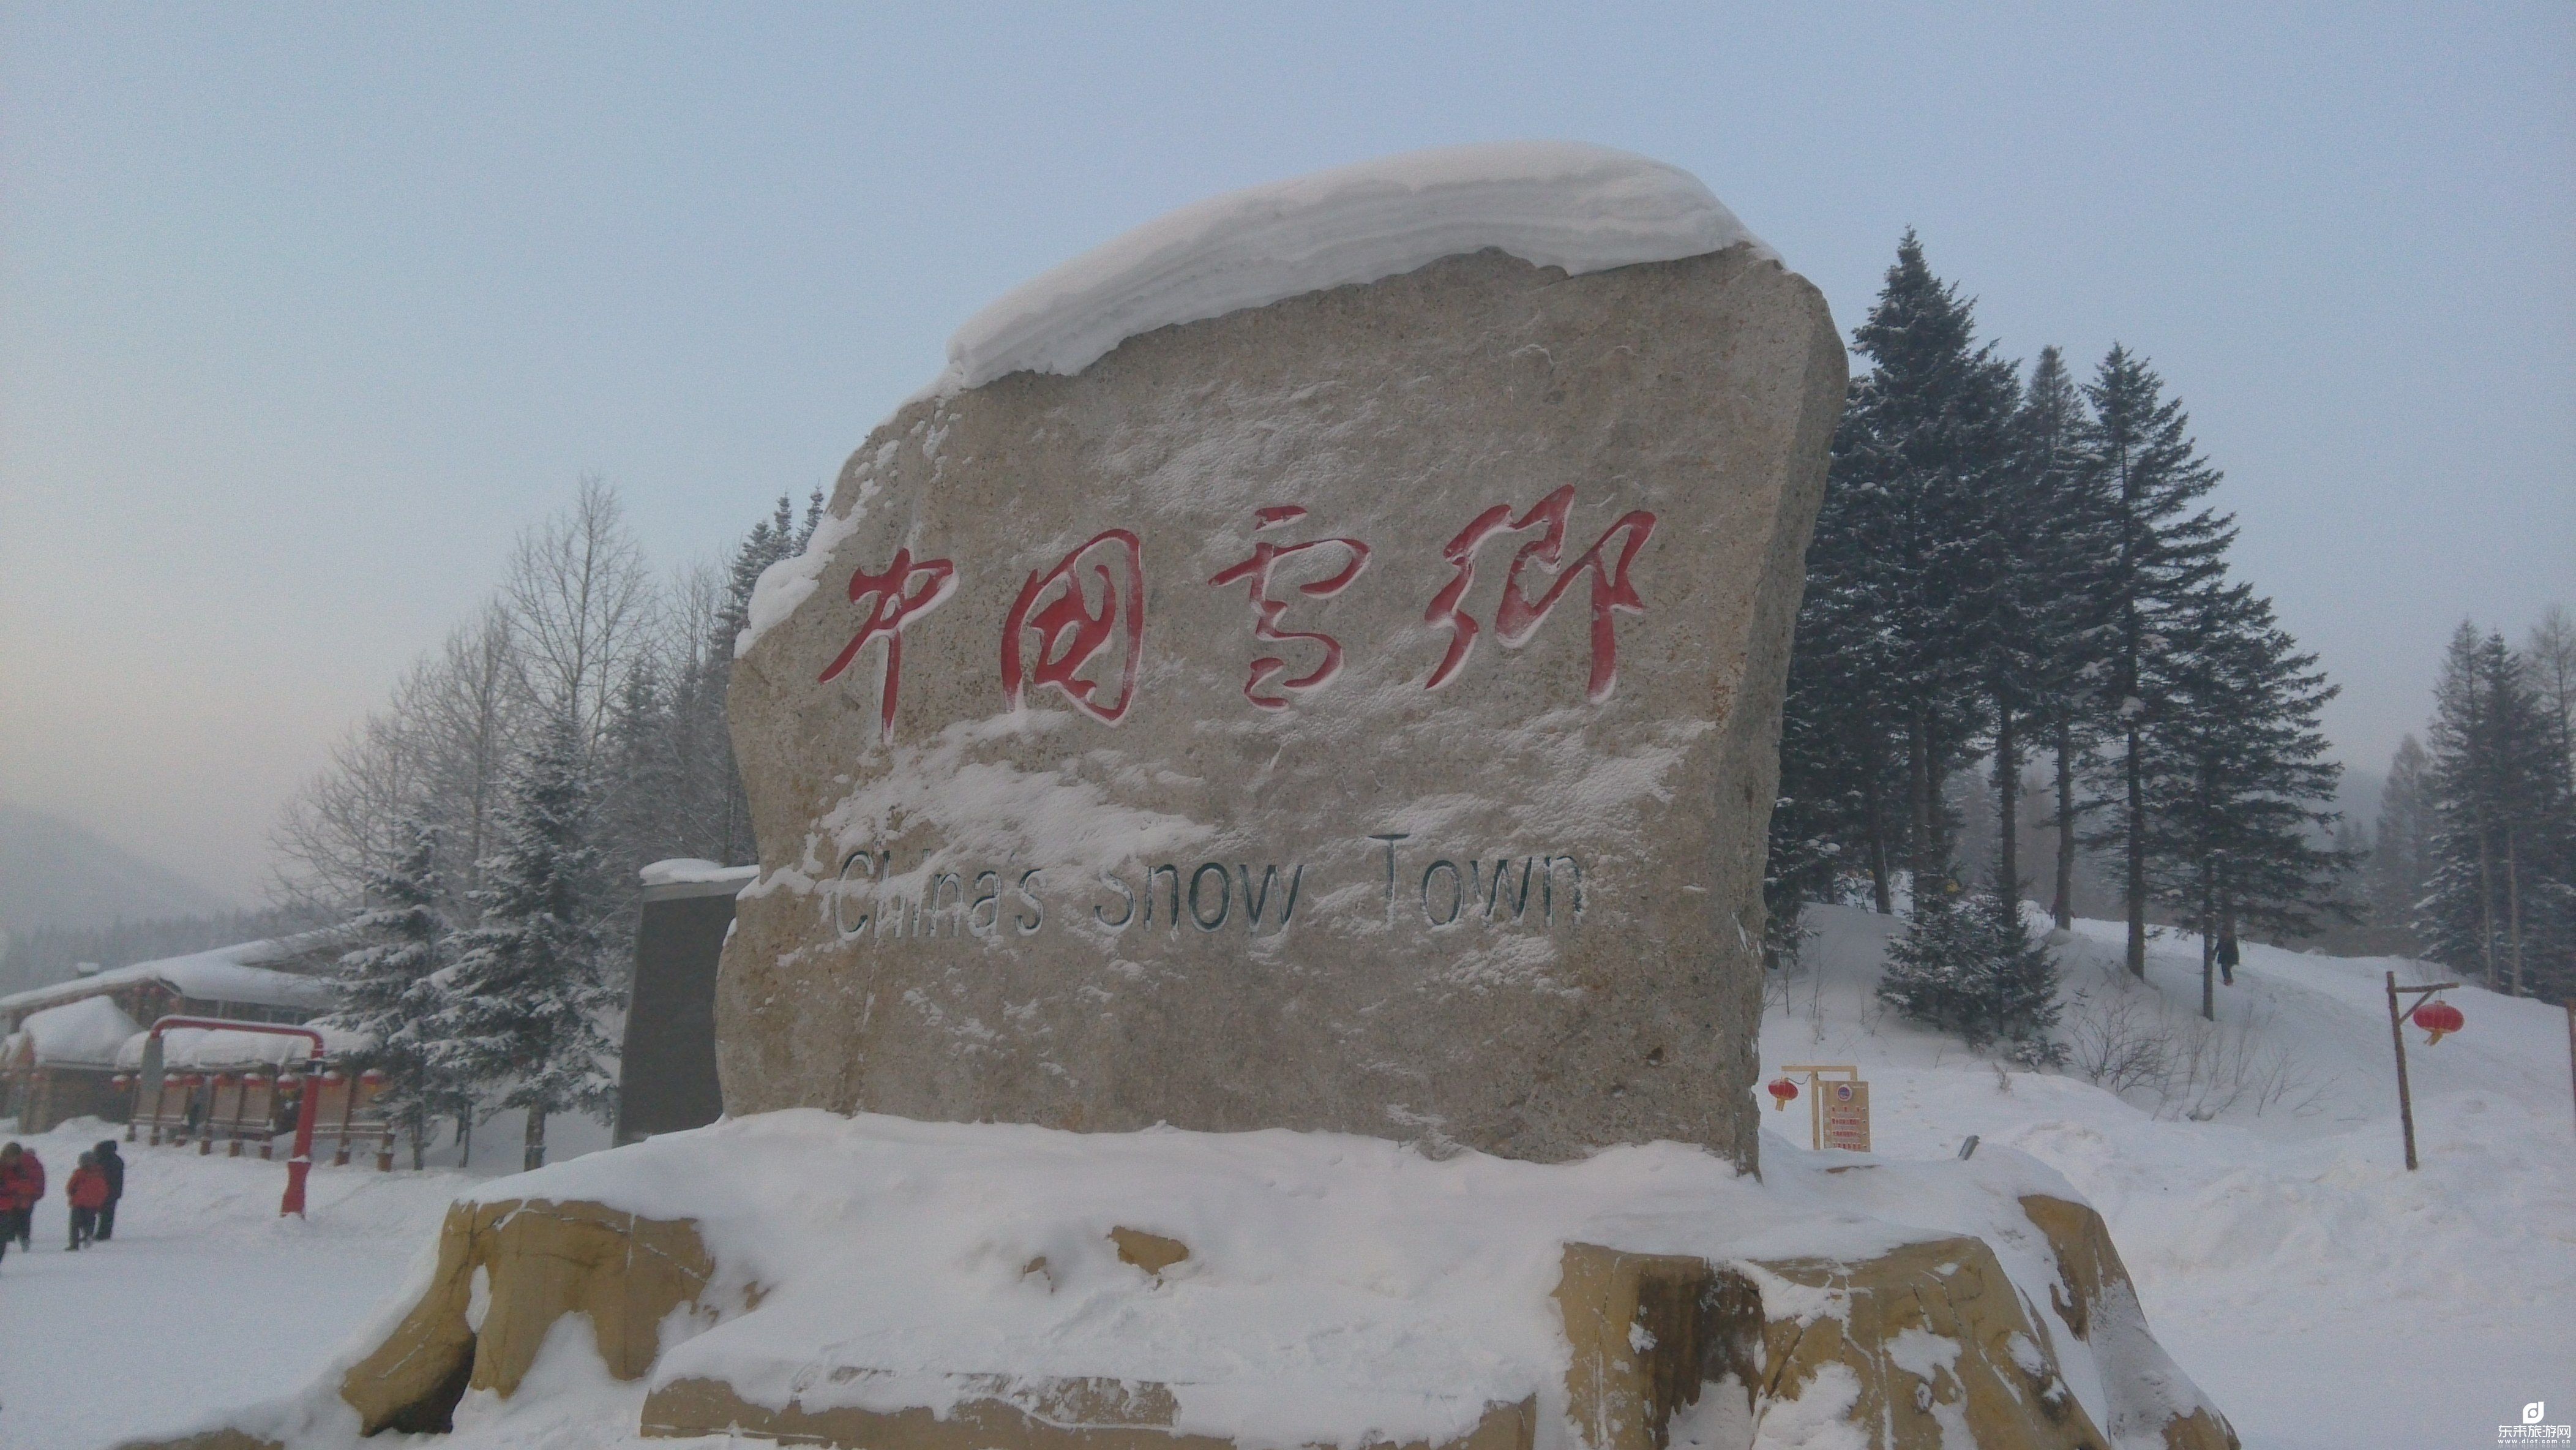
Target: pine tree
x,y
386,987
2236,776
2067,615
2054,549
528,984
2402,841
2139,461
2549,662
2501,901
642,790
1904,579
1968,964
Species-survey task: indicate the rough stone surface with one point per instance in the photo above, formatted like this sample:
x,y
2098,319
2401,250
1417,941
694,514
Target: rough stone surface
x,y
1001,1412
541,1260
1215,935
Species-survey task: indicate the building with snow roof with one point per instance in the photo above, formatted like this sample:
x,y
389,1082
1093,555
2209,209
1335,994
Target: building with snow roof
x,y
61,1046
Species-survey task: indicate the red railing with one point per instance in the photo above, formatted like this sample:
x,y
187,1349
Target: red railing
x,y
300,1165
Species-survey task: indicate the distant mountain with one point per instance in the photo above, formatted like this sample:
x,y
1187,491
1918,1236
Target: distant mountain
x,y
55,874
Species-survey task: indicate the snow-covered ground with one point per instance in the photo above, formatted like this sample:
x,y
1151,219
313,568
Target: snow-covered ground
x,y
2321,1294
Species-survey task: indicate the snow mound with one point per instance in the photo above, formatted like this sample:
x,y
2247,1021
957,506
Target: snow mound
x,y
691,871
1329,1290
1553,203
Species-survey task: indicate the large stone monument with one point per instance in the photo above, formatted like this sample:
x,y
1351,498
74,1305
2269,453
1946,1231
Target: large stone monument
x,y
1353,711
1313,663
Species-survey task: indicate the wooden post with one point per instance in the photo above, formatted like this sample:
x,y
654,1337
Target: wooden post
x,y
348,1112
2405,1100
2571,1042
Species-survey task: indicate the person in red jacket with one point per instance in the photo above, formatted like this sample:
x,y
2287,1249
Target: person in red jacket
x,y
18,1190
35,1170
87,1190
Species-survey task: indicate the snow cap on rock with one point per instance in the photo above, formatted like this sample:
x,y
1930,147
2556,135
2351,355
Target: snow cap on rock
x,y
1552,203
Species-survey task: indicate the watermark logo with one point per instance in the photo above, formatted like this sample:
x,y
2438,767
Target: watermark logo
x,y
2533,1432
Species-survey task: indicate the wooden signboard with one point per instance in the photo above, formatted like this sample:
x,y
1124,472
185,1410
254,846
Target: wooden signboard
x,y
1844,1109
1837,1107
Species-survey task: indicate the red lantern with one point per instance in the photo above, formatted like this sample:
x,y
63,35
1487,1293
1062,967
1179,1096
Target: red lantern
x,y
256,1080
2440,1019
372,1077
289,1085
334,1078
191,1080
1782,1090
120,1082
223,1079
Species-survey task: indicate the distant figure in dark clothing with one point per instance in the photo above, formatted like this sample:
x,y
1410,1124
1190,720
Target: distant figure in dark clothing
x,y
112,1164
2227,954
87,1190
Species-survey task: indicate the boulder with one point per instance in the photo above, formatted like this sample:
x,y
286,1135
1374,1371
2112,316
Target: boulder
x,y
1356,712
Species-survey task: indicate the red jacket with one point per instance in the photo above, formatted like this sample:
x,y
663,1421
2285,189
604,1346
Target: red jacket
x,y
87,1188
21,1186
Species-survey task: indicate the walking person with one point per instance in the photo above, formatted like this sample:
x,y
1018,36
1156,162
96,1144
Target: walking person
x,y
31,1171
87,1191
2227,954
111,1163
12,1187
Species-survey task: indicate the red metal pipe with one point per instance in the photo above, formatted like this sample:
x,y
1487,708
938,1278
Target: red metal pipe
x,y
301,1164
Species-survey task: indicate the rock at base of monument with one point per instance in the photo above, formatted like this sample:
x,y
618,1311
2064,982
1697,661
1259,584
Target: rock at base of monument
x,y
892,1285
1005,1412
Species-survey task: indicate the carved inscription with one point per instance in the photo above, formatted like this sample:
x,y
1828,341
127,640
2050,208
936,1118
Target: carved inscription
x,y
904,592
870,902
1072,631
1078,629
1255,573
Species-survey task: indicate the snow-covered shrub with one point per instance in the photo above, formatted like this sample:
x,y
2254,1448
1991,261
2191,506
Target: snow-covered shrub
x,y
1970,966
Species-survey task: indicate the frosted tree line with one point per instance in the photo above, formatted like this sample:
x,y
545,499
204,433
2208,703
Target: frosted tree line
x,y
2018,573
2475,849
481,833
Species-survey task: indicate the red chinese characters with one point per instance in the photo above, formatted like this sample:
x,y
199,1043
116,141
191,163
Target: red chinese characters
x,y
1255,574
1518,616
1072,631
903,593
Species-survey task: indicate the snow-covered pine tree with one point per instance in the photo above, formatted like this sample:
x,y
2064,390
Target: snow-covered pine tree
x,y
529,983
643,812
698,694
2402,841
1932,964
2019,991
2141,464
2501,901
385,986
2063,645
2236,776
1903,578
1967,964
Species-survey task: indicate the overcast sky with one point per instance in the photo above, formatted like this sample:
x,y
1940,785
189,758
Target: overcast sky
x,y
305,311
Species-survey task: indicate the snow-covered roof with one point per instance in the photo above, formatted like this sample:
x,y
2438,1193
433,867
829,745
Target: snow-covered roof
x,y
215,1049
247,972
86,1033
1553,203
